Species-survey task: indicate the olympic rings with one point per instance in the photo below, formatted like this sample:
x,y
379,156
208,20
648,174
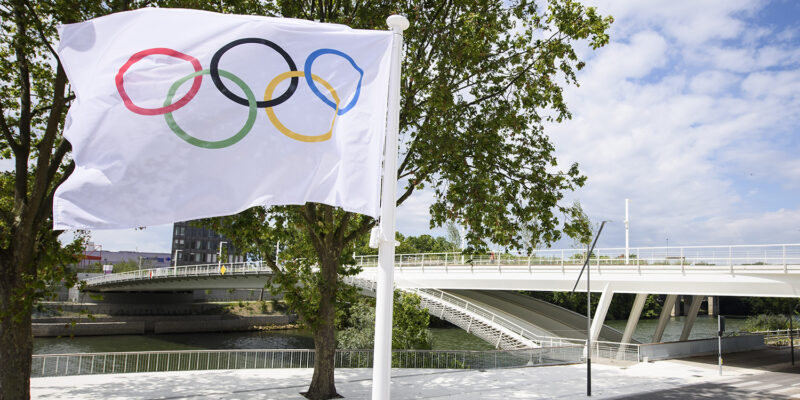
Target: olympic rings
x,y
261,104
283,129
307,67
251,116
118,80
250,100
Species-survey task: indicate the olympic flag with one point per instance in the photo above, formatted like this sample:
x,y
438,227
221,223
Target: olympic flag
x,y
184,114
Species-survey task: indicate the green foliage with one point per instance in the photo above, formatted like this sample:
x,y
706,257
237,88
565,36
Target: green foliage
x,y
768,322
409,325
620,307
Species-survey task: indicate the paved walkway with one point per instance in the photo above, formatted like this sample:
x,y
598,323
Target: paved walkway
x,y
681,379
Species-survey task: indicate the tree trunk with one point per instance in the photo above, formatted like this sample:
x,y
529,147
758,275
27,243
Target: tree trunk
x,y
16,347
322,383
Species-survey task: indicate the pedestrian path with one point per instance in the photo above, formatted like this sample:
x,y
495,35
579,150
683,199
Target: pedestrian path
x,y
759,375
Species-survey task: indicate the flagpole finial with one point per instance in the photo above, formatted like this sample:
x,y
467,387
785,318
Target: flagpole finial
x,y
397,22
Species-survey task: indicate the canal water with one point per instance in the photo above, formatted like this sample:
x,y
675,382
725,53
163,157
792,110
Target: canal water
x,y
443,339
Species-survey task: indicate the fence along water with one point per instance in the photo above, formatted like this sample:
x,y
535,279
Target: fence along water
x,y
196,360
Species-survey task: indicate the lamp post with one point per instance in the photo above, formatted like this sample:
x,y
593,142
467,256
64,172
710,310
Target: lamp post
x,y
175,261
219,255
589,309
627,228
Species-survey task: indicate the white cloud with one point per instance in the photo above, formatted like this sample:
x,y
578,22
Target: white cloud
x,y
682,142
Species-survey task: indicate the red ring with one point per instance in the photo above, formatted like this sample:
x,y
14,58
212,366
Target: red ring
x,y
161,110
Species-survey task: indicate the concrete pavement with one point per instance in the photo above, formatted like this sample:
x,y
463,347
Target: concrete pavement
x,y
676,379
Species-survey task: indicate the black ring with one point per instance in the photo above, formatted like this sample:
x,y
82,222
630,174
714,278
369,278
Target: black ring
x,y
214,72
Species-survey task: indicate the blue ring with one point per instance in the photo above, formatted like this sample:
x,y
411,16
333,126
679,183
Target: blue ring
x,y
311,84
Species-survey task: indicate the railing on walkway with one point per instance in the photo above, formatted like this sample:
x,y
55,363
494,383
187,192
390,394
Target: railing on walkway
x,y
779,337
735,258
244,268
193,360
741,256
470,314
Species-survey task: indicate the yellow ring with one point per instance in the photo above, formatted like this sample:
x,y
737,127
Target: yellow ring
x,y
277,123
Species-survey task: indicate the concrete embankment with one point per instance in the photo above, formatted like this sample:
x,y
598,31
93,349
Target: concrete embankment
x,y
138,325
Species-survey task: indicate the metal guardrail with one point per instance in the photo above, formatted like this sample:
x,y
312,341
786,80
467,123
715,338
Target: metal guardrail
x,y
470,312
769,257
243,268
44,365
736,257
779,337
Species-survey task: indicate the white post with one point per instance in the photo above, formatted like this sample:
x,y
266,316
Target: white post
x,y
219,255
175,261
627,228
385,280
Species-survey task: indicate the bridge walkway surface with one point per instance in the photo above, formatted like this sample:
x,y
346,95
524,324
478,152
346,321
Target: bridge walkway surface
x,y
742,270
539,316
674,379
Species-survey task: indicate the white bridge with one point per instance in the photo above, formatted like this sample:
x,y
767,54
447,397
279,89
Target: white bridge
x,y
468,290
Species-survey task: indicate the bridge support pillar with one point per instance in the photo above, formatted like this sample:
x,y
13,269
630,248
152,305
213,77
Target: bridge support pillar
x,y
713,305
669,304
633,318
691,316
602,310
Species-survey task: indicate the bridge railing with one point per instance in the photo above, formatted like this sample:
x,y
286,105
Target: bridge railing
x,y
193,360
751,256
243,268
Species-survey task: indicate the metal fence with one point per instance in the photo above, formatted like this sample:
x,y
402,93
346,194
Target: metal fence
x,y
779,337
194,360
774,255
244,268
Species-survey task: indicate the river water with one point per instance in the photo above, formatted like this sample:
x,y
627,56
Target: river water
x,y
443,339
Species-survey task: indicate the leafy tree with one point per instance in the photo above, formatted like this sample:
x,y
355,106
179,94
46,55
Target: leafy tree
x,y
480,78
34,98
409,331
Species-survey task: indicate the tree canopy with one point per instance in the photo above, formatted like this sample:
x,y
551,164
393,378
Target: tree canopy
x,y
480,79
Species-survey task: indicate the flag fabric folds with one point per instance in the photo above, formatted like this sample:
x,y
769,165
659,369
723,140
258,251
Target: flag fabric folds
x,y
185,114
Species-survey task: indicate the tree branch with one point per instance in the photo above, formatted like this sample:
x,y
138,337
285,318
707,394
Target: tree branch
x,y
7,134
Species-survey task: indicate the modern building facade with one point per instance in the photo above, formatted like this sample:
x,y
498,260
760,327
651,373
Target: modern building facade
x,y
195,245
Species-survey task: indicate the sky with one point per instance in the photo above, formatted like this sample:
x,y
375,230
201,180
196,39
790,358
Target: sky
x,y
692,112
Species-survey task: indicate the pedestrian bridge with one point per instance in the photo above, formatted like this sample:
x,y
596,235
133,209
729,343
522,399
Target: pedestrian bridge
x,y
459,287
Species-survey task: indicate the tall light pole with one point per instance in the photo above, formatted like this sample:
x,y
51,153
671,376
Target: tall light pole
x,y
176,257
627,229
588,309
219,255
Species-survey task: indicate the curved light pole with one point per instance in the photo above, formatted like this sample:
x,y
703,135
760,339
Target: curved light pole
x,y
219,255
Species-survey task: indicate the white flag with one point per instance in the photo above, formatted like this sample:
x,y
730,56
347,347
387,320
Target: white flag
x,y
184,114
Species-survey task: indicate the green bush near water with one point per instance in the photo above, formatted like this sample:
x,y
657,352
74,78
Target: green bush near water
x,y
769,322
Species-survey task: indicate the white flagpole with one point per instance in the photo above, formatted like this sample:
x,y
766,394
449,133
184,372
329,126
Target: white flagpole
x,y
382,357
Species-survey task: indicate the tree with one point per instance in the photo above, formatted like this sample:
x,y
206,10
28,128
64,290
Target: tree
x,y
34,98
409,325
480,78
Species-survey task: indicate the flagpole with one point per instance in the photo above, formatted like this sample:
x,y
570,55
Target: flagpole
x,y
382,357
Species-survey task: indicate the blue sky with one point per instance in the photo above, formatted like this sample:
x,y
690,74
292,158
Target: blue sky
x,y
692,111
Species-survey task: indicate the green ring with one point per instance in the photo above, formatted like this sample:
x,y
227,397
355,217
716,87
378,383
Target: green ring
x,y
219,144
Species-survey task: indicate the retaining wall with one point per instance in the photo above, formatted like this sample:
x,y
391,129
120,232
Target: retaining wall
x,y
700,347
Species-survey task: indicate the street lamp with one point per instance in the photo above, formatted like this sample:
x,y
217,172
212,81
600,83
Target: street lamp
x,y
586,267
176,257
219,256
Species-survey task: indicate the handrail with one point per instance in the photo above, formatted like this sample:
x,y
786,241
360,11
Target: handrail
x,y
242,268
766,255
